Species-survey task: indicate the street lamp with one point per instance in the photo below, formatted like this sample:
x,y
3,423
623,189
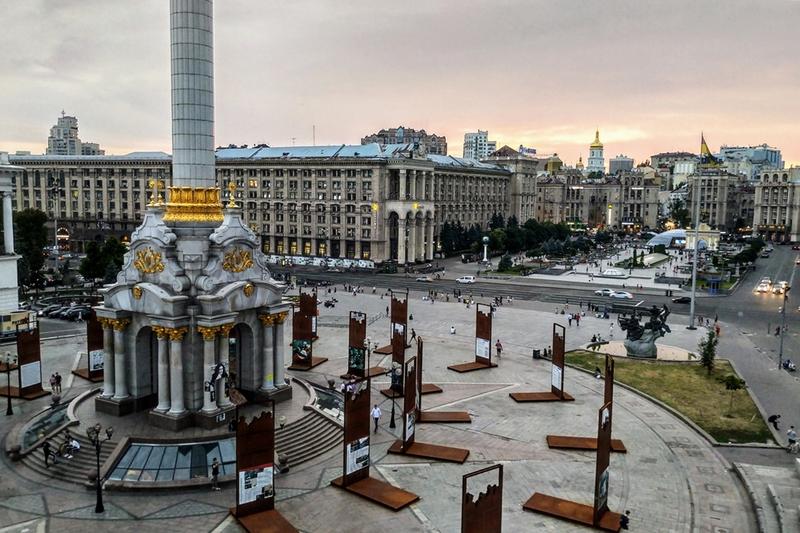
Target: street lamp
x,y
9,360
694,262
783,323
95,437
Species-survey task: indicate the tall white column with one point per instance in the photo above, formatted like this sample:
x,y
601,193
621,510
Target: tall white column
x,y
402,176
268,353
224,358
401,240
412,240
108,358
163,369
8,224
209,356
176,370
412,181
420,254
429,246
120,373
280,348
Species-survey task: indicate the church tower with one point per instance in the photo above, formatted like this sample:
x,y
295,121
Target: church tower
x,y
596,162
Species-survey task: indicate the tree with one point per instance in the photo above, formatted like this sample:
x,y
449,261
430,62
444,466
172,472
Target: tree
x,y
92,266
512,222
497,222
113,253
732,383
103,262
679,213
30,236
603,237
708,351
505,264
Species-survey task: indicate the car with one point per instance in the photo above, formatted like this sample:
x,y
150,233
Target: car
x,y
777,289
466,279
53,312
426,279
766,280
682,300
47,310
797,261
765,254
622,295
762,287
604,292
796,247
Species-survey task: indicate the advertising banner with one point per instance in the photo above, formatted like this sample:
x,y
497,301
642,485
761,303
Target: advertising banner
x,y
357,455
96,360
256,484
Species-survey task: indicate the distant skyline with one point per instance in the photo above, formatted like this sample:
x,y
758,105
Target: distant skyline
x,y
650,75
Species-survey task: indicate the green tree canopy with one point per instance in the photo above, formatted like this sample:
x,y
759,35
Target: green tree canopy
x,y
679,213
30,238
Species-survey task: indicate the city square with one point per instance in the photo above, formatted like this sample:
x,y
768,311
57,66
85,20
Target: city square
x,y
369,331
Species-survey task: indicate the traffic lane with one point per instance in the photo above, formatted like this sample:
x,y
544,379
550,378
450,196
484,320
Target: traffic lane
x,y
51,327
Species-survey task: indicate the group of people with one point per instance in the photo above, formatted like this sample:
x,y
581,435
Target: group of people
x,y
791,434
55,383
66,450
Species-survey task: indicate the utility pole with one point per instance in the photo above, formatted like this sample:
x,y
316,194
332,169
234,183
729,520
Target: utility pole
x,y
694,258
783,317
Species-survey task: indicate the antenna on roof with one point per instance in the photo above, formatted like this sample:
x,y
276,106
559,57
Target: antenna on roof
x,y
293,138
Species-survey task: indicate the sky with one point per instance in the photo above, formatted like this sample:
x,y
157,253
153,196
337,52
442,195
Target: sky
x,y
650,74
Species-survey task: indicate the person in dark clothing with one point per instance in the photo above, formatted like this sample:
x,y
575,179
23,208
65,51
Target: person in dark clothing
x,y
214,474
774,421
624,520
58,382
48,451
413,334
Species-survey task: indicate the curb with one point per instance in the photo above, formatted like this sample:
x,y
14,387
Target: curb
x,y
751,493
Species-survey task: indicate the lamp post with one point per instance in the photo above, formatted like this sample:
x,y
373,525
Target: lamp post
x,y
9,360
783,317
694,260
95,437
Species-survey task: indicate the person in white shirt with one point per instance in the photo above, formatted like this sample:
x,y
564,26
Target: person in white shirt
x,y
376,416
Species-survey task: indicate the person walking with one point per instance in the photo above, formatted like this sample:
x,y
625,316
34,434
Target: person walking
x,y
569,319
499,348
47,449
624,520
214,474
577,319
413,334
58,382
774,421
376,416
53,382
452,330
791,436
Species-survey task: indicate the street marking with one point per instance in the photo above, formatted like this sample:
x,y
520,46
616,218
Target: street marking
x,y
414,507
71,376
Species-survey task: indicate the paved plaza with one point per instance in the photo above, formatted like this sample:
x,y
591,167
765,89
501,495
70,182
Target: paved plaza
x,y
671,479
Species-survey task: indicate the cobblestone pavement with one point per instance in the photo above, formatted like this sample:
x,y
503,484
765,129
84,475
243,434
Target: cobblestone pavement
x,y
671,479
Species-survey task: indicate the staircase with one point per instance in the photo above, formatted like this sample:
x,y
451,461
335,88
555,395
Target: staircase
x,y
308,437
776,495
75,470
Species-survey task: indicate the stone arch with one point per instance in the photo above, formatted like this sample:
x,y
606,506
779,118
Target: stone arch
x,y
241,353
392,228
144,371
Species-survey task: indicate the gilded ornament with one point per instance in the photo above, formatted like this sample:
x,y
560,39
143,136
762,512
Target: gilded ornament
x,y
232,195
148,261
104,322
208,333
280,318
267,320
190,204
225,329
137,292
248,289
176,334
119,324
160,331
237,260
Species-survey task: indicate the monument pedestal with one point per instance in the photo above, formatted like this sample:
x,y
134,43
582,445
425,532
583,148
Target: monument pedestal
x,y
278,394
170,422
110,406
214,419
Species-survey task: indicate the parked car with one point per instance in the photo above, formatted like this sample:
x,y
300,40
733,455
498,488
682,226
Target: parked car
x,y
53,312
622,295
682,300
604,292
424,278
466,279
46,310
76,312
796,247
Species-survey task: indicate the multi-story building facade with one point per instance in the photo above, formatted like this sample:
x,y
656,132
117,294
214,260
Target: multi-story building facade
x,y
724,201
9,290
334,201
428,142
477,145
524,170
64,140
777,205
751,160
621,163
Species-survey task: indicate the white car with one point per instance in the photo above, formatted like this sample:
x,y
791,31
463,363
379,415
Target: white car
x,y
762,287
424,278
604,292
622,295
466,279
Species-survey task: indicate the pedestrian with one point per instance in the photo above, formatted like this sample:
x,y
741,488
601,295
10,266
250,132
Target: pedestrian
x,y
376,416
387,310
411,317
577,319
611,331
47,449
624,520
791,436
214,474
499,348
452,330
58,382
413,334
53,382
569,319
774,421
597,373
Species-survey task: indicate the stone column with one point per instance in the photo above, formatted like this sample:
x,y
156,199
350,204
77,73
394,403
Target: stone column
x,y
401,240
358,247
280,348
120,374
176,370
420,255
8,224
224,358
108,358
412,181
402,178
209,357
412,240
163,368
429,230
268,353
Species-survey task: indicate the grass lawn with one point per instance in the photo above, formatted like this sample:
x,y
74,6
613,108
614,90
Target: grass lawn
x,y
689,389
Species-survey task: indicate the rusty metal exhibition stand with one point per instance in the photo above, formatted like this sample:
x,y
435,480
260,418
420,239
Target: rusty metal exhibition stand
x,y
355,456
556,393
29,366
303,339
357,350
94,351
408,445
597,515
483,514
483,342
423,417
